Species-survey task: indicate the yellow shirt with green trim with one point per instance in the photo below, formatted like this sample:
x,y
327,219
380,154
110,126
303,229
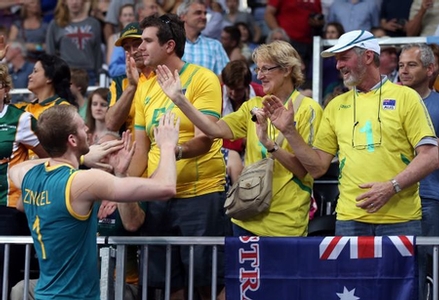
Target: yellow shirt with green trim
x,y
195,176
375,134
37,108
118,85
289,210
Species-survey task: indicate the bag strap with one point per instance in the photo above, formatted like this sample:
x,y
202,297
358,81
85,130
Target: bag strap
x,y
296,105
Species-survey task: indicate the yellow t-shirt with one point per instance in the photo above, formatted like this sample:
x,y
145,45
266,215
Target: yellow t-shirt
x,y
289,209
195,176
392,120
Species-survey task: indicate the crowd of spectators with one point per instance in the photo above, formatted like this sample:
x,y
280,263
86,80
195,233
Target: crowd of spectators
x,y
84,32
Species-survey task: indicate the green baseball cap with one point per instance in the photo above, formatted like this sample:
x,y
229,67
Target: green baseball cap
x,y
132,30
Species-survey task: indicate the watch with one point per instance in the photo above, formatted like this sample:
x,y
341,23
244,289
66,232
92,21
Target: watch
x,y
396,186
179,154
275,148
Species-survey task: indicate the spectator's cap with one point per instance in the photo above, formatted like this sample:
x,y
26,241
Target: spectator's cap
x,y
386,46
132,30
357,38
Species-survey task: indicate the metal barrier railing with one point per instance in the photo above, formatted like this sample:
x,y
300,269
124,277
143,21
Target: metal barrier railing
x,y
115,259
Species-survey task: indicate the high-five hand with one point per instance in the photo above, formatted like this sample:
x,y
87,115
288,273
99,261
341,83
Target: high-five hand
x,y
167,131
169,82
122,159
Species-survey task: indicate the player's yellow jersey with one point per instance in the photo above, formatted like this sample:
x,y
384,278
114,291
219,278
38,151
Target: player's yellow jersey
x,y
375,134
195,176
288,213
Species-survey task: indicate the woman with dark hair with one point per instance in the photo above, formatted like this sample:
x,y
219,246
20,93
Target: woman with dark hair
x,y
16,138
333,30
246,41
50,82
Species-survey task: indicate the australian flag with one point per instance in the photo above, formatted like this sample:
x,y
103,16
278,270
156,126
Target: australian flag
x,y
330,268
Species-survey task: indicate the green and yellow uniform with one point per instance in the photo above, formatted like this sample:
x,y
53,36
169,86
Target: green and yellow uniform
x,y
36,109
64,240
16,138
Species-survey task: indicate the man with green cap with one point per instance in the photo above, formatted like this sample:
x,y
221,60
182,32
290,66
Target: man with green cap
x,y
120,115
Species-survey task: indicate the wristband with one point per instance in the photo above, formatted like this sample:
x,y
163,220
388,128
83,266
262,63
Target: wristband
x,y
81,160
39,47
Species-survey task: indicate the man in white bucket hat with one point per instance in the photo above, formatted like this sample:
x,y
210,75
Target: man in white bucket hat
x,y
382,136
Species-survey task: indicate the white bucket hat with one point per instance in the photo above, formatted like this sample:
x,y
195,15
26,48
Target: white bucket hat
x,y
357,38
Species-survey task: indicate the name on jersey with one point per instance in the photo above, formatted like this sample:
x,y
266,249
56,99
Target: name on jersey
x,y
35,198
389,104
5,127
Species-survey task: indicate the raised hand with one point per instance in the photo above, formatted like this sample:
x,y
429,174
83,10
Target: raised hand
x,y
121,160
261,126
166,134
169,82
131,70
281,118
3,47
93,159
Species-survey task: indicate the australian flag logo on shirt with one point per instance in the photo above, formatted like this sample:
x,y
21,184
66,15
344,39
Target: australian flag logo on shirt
x,y
389,104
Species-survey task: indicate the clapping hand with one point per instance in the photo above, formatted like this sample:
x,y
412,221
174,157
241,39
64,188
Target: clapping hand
x,y
261,125
131,69
281,118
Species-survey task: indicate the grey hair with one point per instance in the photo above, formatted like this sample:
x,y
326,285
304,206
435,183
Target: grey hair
x,y
376,57
427,55
282,31
183,8
18,45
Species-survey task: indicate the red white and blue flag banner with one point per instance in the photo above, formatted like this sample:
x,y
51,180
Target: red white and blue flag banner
x,y
330,268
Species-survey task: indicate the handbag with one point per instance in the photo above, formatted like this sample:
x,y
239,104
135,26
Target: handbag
x,y
251,194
